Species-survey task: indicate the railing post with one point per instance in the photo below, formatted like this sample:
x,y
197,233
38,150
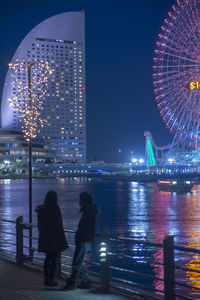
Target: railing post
x,y
19,241
58,265
169,268
104,261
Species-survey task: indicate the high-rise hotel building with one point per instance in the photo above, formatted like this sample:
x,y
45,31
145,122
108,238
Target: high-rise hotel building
x,y
59,40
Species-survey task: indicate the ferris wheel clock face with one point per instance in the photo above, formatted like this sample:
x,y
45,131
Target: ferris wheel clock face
x,y
193,85
176,71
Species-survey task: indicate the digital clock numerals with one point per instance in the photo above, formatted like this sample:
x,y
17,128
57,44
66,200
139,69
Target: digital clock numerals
x,y
193,85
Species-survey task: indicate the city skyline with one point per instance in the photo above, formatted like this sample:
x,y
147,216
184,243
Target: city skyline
x,y
120,41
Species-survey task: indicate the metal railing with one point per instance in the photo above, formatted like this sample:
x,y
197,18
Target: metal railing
x,y
131,266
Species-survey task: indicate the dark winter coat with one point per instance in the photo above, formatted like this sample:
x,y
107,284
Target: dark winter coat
x,y
86,226
51,232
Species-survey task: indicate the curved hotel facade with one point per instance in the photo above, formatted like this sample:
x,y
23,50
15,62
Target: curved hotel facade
x,y
59,40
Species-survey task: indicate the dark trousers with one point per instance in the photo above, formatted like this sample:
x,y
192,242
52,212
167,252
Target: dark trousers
x,y
77,263
50,266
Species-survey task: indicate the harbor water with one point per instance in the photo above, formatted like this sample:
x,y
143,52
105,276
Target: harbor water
x,y
130,209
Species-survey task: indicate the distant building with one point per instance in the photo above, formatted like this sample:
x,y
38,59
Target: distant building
x,y
59,40
14,149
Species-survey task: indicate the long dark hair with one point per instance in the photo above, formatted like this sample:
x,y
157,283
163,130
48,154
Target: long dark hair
x,y
85,200
51,199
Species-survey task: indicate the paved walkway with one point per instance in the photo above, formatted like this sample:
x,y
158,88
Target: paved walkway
x,y
22,283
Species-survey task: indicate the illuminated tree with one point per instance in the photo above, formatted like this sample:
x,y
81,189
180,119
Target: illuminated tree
x,y
29,84
28,97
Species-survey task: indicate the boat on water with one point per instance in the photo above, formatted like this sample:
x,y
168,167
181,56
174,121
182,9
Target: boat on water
x,y
175,185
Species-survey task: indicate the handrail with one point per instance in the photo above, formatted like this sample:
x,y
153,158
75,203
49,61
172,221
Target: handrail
x,y
136,273
136,258
135,284
110,241
136,241
188,285
187,269
9,221
188,249
7,232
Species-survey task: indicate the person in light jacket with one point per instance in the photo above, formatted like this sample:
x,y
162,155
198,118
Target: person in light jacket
x,y
83,242
52,238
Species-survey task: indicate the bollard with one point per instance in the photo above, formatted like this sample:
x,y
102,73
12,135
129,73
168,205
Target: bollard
x,y
19,241
104,261
169,268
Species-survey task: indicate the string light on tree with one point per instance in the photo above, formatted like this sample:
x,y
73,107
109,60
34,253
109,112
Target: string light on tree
x,y
28,97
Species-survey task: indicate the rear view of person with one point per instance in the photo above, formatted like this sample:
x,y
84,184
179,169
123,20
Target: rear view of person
x,y
52,238
83,242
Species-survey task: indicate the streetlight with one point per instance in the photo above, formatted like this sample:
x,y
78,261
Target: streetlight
x,y
27,101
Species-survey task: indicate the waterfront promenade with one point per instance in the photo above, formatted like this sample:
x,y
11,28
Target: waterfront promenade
x,y
27,284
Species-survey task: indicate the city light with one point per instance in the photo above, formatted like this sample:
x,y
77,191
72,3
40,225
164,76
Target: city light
x,y
27,98
170,160
134,160
141,160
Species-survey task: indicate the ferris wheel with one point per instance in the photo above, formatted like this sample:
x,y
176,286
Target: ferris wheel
x,y
176,73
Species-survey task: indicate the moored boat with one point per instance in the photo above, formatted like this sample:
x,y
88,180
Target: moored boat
x,y
175,185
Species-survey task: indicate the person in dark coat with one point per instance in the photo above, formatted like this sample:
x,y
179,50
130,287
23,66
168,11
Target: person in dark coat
x,y
52,238
83,242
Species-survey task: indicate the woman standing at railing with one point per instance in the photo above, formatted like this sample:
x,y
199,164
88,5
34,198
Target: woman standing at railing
x,y
52,238
83,242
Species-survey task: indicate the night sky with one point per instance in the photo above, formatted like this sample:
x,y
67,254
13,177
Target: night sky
x,y
120,42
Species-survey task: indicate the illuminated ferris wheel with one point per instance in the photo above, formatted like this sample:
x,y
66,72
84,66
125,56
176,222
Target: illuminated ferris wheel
x,y
176,73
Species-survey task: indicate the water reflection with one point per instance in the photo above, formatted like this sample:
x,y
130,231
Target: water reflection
x,y
138,217
130,209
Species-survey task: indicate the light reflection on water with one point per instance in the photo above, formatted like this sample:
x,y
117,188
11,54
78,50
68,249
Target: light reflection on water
x,y
131,209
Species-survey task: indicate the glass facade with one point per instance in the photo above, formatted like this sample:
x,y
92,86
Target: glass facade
x,y
14,148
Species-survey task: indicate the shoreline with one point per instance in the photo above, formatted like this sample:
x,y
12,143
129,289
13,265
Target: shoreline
x,y
115,177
